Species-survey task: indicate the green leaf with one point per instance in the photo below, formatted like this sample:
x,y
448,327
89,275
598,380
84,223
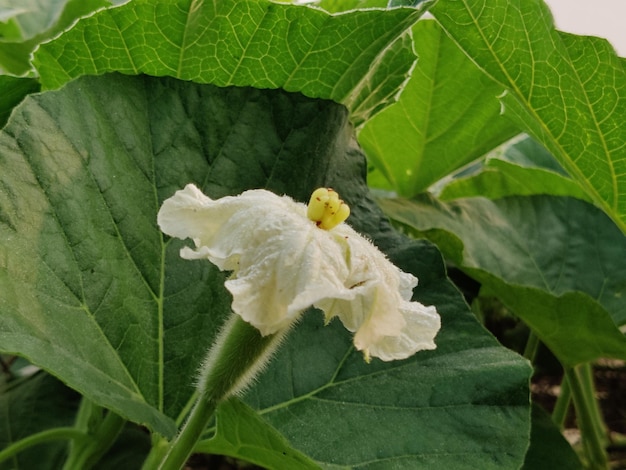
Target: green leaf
x,y
345,413
568,92
92,292
38,20
360,58
554,261
33,405
14,90
339,6
446,117
82,261
548,448
513,172
242,433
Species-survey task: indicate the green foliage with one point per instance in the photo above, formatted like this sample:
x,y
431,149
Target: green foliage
x,y
13,91
446,117
569,92
233,95
95,295
521,169
33,405
551,260
548,448
243,433
244,43
31,22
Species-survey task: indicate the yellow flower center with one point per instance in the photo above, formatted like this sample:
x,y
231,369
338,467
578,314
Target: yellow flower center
x,y
326,209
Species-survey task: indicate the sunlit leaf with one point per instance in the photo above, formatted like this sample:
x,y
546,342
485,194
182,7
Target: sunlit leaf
x,y
360,58
446,117
567,91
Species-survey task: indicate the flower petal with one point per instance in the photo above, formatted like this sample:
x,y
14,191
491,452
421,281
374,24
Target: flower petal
x,y
283,263
386,324
422,324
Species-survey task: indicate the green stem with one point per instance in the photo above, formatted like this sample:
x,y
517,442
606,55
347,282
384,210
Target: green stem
x,y
586,375
559,413
84,454
39,438
157,453
182,446
532,345
584,401
231,365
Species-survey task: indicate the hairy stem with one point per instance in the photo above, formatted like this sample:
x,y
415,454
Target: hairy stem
x,y
238,354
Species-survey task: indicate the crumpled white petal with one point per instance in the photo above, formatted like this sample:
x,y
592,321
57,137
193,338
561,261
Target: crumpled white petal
x,y
283,263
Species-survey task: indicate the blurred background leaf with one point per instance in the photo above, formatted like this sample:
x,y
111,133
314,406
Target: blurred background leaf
x,y
520,168
27,23
554,261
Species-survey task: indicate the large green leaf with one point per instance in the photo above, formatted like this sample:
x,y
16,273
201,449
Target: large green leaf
x,y
360,58
92,292
567,91
447,116
434,397
523,168
555,261
83,264
36,21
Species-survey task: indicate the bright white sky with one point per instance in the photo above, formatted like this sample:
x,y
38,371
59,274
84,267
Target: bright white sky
x,y
603,18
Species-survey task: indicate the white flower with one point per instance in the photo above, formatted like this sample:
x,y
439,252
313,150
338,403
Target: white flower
x,y
286,257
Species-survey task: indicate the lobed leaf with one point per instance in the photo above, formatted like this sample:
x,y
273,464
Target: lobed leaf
x,y
360,58
569,92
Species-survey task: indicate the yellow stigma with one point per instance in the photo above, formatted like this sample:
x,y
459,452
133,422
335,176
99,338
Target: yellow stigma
x,y
326,209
